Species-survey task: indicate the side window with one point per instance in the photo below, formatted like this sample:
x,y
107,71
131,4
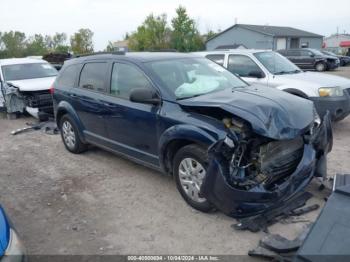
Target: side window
x,y
126,77
293,53
242,65
93,76
67,77
306,53
219,59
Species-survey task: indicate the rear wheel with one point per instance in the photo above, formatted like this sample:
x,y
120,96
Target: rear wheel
x,y
320,67
190,166
70,135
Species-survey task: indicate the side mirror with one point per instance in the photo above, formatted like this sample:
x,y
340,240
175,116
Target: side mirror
x,y
144,96
312,55
256,74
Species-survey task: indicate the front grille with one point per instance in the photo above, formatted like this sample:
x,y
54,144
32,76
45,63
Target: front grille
x,y
280,158
39,99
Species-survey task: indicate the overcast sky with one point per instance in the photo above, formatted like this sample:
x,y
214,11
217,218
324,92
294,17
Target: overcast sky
x,y
111,19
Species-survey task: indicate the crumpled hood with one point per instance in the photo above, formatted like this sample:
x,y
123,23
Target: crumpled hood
x,y
4,232
37,84
321,79
271,113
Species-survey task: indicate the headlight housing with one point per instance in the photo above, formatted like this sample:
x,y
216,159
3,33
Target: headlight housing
x,y
330,91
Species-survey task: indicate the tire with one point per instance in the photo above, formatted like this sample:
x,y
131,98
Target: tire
x,y
191,155
320,67
70,135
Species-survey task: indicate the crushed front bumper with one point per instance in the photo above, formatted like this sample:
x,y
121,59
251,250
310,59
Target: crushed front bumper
x,y
242,203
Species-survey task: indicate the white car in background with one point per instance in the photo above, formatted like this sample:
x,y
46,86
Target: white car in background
x,y
271,69
25,86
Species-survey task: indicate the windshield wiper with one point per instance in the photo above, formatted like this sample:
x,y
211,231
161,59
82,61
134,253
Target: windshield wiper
x,y
287,72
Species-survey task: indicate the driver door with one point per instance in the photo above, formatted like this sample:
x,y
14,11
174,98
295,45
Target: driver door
x,y
131,126
247,69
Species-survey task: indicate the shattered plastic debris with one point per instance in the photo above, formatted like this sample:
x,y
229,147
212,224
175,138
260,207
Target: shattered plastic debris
x,y
49,127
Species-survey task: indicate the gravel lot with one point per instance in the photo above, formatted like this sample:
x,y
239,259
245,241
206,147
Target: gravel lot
x,y
99,203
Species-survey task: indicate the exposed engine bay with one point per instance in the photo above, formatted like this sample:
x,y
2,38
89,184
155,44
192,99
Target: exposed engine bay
x,y
249,173
36,103
256,160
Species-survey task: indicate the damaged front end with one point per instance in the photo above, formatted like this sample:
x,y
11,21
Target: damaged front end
x,y
249,173
37,103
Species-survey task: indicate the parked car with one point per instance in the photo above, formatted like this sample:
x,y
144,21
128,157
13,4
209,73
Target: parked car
x,y
308,58
165,110
25,84
11,248
344,60
270,69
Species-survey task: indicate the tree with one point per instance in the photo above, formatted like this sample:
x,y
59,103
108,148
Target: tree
x,y
59,43
153,34
13,43
36,45
81,42
185,36
210,34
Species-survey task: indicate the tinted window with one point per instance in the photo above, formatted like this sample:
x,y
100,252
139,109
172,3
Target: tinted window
x,y
293,53
68,75
28,71
305,53
219,59
241,65
93,76
125,78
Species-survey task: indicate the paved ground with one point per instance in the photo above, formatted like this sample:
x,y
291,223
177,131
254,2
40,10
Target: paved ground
x,y
99,203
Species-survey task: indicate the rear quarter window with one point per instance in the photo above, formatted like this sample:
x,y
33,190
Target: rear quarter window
x,y
93,76
219,59
68,76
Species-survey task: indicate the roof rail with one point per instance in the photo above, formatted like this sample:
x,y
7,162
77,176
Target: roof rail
x,y
102,53
163,50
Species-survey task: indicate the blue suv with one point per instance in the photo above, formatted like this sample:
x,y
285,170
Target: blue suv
x,y
192,119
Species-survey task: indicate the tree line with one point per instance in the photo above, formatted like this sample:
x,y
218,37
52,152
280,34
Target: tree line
x,y
17,44
153,34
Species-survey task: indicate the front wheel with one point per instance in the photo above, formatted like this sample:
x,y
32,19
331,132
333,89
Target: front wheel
x,y
70,135
320,67
190,166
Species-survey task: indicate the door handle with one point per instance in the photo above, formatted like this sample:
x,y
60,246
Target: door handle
x,y
111,105
72,95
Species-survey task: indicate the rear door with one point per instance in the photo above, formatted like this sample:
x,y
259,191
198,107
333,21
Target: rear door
x,y
89,99
132,127
246,68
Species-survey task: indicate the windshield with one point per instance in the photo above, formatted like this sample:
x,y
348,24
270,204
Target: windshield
x,y
27,71
276,63
329,53
191,77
